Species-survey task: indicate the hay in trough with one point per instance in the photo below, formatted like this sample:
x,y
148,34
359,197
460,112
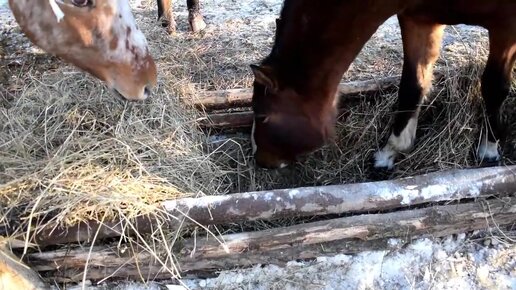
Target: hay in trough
x,y
70,151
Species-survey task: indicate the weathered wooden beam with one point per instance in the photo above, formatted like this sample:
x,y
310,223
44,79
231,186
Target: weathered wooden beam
x,y
307,201
234,98
148,266
280,245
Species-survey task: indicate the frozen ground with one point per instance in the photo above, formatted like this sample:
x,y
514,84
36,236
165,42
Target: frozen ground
x,y
453,263
457,262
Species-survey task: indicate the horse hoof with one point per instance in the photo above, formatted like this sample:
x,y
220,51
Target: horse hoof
x,y
490,162
197,23
164,23
380,173
170,26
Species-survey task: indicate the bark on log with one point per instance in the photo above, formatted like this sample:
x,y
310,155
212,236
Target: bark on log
x,y
309,201
225,99
280,245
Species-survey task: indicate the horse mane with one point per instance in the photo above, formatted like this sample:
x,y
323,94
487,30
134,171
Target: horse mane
x,y
281,59
285,16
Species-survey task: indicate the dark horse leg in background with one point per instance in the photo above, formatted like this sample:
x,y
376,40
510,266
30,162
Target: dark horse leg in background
x,y
496,84
194,16
421,45
166,14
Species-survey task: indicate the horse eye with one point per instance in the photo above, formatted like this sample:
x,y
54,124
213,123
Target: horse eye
x,y
82,3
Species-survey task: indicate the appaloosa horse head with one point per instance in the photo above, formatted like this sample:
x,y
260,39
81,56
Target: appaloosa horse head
x,y
295,86
98,36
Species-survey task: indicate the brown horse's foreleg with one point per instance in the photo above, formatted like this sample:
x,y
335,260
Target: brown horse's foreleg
x,y
496,83
194,16
421,44
166,15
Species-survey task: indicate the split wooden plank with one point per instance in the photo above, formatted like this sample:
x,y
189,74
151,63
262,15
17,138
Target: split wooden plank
x,y
280,245
307,201
234,98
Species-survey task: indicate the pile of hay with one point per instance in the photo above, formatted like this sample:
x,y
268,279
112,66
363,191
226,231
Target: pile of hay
x,y
69,147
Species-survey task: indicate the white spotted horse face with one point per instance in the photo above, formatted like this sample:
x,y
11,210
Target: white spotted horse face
x,y
98,36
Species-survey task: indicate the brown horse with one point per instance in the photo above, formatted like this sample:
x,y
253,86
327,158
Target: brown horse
x,y
295,87
100,37
195,18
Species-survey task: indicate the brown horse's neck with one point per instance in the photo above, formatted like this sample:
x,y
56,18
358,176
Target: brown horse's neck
x,y
315,42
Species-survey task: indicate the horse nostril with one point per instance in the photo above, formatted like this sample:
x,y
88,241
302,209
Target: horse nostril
x,y
147,92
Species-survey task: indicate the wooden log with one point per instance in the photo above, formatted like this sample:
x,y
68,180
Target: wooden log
x,y
235,120
348,198
85,232
308,201
225,99
280,245
150,269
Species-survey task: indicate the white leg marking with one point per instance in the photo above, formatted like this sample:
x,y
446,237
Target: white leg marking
x,y
488,150
253,143
402,143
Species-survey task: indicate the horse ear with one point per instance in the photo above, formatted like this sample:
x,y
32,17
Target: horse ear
x,y
265,76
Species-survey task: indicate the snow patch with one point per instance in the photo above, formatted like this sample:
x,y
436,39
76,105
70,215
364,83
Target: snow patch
x,y
423,264
292,193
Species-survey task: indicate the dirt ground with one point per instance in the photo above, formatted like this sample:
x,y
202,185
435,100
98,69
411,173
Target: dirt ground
x,y
239,33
